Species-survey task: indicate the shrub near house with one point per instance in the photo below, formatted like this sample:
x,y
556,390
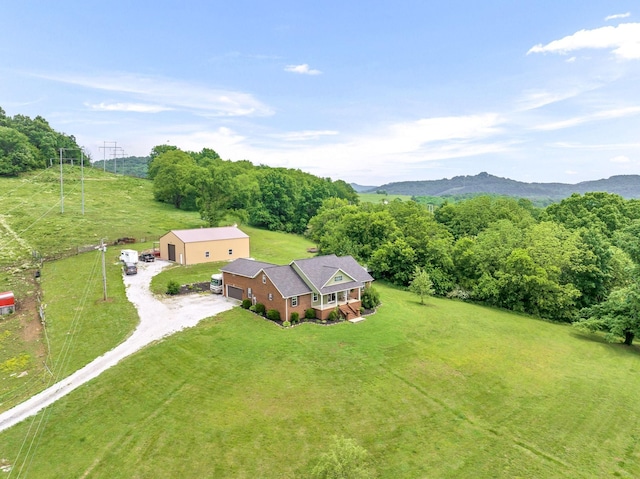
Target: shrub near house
x,y
320,284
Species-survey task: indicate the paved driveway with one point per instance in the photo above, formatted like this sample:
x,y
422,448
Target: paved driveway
x,y
158,318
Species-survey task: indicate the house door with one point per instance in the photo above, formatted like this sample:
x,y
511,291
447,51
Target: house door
x,y
172,252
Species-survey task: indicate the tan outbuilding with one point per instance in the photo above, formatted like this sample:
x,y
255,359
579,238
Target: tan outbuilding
x,y
204,245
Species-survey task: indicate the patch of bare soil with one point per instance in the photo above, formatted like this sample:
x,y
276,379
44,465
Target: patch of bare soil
x,y
31,330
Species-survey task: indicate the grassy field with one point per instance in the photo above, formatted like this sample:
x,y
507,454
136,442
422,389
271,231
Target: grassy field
x,y
31,220
376,198
79,325
115,207
442,390
447,389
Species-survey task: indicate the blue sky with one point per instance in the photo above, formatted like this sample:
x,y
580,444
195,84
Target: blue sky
x,y
368,92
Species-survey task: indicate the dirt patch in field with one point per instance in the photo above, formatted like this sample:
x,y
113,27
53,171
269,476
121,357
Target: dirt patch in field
x,y
31,330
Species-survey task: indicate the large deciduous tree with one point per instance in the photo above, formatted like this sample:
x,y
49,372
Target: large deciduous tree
x,y
618,316
605,212
174,175
17,154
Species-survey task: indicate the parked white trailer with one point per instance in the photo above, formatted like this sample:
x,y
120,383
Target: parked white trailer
x,y
216,283
129,256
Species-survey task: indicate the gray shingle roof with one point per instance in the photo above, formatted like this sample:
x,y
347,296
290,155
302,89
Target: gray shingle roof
x,y
318,271
245,267
321,269
287,281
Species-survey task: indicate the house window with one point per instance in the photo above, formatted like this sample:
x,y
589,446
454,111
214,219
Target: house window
x,y
337,278
331,298
249,292
270,296
264,279
294,301
315,297
230,252
206,254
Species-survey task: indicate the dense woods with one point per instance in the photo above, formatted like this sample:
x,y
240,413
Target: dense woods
x,y
573,261
27,144
279,199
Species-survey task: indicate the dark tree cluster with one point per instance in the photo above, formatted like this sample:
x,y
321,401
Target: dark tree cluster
x,y
29,144
278,199
564,262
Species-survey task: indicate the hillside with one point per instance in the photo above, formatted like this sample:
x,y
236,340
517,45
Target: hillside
x,y
446,389
443,390
627,186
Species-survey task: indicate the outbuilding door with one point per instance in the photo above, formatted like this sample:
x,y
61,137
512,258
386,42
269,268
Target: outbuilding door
x,y
233,292
172,252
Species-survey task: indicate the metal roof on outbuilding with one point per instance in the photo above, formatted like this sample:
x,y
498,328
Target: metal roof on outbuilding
x,y
197,235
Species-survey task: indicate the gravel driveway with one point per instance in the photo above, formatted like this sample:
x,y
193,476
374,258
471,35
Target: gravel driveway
x,y
158,318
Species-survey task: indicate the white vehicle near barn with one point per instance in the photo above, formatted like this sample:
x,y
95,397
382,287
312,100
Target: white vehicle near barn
x,y
129,256
216,283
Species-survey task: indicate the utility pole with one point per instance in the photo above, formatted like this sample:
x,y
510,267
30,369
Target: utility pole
x,y
103,248
116,150
61,185
82,177
104,152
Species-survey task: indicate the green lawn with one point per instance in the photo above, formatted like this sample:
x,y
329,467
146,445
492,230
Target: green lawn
x,y
442,390
115,207
80,326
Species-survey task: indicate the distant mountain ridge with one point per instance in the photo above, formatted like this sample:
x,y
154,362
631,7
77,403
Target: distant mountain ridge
x,y
627,186
362,188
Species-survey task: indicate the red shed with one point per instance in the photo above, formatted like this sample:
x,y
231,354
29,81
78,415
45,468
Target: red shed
x,y
7,302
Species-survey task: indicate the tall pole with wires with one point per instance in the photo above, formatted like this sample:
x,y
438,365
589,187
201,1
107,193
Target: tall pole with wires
x,y
103,248
61,185
82,177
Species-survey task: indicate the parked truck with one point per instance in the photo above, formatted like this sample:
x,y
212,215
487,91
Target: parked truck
x,y
216,283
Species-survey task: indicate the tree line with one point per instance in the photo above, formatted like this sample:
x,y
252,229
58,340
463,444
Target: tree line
x,y
573,261
29,144
278,199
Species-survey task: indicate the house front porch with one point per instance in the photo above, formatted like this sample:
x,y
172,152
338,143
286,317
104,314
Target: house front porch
x,y
347,302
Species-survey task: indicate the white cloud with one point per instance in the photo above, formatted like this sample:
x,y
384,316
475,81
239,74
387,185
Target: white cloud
x,y
304,135
533,99
623,40
601,115
616,16
175,94
392,151
594,146
302,69
620,159
128,107
412,135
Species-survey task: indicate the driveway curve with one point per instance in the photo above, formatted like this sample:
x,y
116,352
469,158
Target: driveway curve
x,y
158,319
